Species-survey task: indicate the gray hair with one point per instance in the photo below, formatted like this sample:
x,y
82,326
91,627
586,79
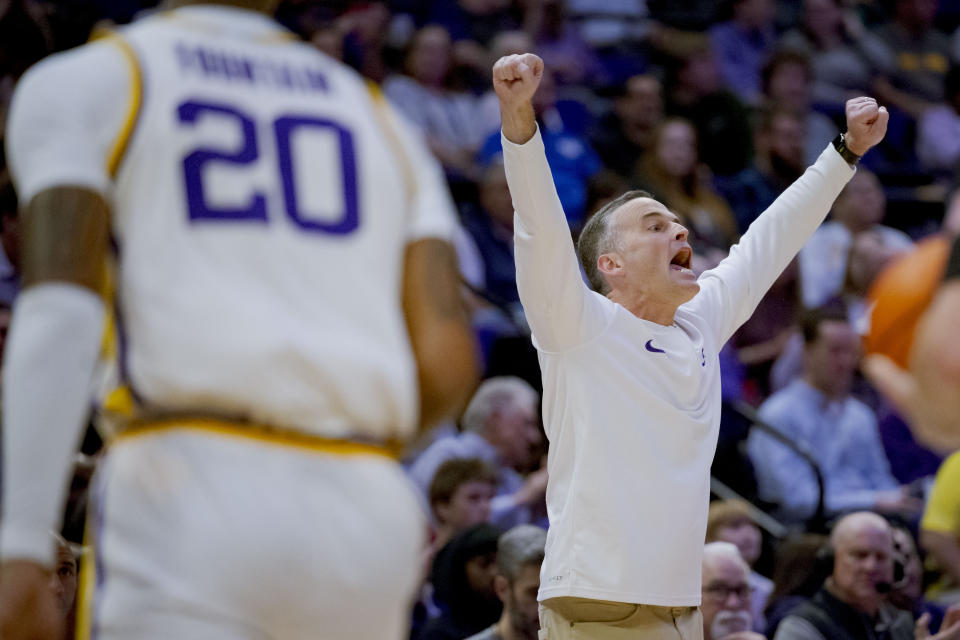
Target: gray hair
x,y
716,550
520,546
495,394
598,238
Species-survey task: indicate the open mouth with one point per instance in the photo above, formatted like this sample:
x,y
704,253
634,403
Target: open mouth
x,y
681,260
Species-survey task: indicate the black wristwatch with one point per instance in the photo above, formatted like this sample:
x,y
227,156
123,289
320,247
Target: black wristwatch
x,y
840,144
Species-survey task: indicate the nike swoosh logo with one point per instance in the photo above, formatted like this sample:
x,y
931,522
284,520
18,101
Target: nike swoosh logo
x,y
651,348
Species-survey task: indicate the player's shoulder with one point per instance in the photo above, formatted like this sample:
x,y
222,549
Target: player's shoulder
x,y
77,80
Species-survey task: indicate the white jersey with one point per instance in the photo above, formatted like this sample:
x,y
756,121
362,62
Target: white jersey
x,y
631,407
262,197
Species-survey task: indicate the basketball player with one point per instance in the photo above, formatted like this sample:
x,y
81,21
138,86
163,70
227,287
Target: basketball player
x,y
631,373
280,289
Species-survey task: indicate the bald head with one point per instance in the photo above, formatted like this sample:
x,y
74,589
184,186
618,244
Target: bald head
x,y
856,526
863,560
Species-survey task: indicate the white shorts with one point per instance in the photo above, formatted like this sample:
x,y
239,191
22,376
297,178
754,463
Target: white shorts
x,y
201,535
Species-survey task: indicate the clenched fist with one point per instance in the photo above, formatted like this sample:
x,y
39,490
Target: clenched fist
x,y
516,78
866,124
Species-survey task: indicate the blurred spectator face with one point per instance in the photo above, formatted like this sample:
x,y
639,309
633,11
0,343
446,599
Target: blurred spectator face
x,y
64,582
676,149
546,96
822,17
519,599
863,559
790,86
831,359
495,196
786,141
868,256
916,14
508,43
910,588
700,74
481,571
429,59
725,601
755,14
469,505
643,102
483,7
328,40
745,535
515,432
862,203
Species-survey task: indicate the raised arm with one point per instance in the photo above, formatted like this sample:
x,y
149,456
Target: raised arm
x,y
559,307
730,293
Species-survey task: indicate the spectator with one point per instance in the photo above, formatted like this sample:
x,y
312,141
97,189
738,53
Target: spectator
x,y
696,92
501,427
460,495
940,531
573,160
725,594
492,230
851,603
672,172
473,20
907,590
9,242
787,83
731,521
742,46
938,130
519,556
627,131
818,412
845,57
64,580
560,44
463,574
860,207
616,31
918,56
447,117
796,577
779,160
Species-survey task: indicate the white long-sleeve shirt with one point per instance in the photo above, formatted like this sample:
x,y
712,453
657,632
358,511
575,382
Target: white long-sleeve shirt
x,y
631,407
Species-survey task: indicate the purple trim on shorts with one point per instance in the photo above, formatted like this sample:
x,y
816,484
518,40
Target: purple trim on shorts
x,y
98,502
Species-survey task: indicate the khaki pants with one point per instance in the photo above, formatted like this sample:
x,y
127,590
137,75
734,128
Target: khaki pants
x,y
587,619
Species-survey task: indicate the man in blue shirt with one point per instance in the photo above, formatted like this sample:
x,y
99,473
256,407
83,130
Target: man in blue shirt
x,y
818,411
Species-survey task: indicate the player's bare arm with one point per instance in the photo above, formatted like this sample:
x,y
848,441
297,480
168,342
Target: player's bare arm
x,y
515,80
439,329
64,235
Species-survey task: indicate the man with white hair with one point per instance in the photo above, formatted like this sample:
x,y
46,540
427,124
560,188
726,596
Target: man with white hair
x,y
631,371
501,427
726,594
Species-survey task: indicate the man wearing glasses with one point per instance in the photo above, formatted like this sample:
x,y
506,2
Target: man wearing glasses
x,y
725,603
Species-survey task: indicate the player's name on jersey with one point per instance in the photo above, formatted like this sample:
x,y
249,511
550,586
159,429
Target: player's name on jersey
x,y
234,67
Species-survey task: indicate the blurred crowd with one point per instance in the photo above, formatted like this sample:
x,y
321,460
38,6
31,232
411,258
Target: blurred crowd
x,y
715,107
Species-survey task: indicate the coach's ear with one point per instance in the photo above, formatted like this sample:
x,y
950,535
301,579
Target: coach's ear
x,y
610,265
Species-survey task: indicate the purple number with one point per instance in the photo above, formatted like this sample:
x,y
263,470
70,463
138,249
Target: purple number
x,y
193,164
348,221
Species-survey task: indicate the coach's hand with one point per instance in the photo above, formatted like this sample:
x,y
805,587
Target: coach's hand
x,y
28,606
866,124
515,80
